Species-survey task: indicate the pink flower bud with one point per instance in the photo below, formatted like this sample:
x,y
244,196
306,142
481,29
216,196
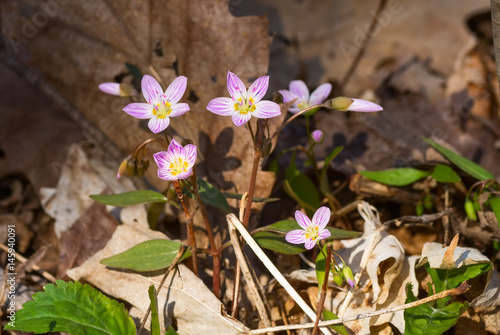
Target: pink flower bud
x,y
317,136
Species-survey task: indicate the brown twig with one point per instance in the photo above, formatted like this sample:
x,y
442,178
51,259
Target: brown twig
x,y
464,287
174,263
190,228
35,267
364,45
322,298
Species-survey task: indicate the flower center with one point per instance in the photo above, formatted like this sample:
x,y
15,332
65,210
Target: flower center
x,y
303,104
244,106
312,233
177,166
162,109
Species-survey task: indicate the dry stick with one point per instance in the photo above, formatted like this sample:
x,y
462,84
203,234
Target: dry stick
x,y
322,298
174,263
464,287
189,223
495,20
213,247
362,49
233,220
254,290
35,267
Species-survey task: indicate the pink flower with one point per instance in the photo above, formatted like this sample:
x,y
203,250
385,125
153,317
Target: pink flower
x,y
300,92
110,88
160,107
359,105
243,104
177,162
311,232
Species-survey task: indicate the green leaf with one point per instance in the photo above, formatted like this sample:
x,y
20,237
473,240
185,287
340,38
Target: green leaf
x,y
210,195
301,188
147,256
72,308
285,226
463,163
323,176
321,267
495,207
134,70
155,321
396,177
327,315
255,199
445,174
154,212
276,242
426,320
171,331
129,198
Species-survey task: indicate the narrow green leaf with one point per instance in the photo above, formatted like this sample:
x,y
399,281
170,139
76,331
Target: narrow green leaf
x,y
210,195
72,308
321,267
155,321
426,320
495,207
285,226
276,242
302,189
134,70
445,174
323,180
327,315
463,163
147,256
396,177
154,212
129,198
255,199
171,331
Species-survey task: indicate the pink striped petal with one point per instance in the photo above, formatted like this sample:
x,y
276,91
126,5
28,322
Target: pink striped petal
x,y
139,110
321,217
221,106
323,233
160,159
299,88
175,147
240,119
320,94
190,152
166,175
110,88
310,244
287,96
157,125
296,236
179,109
235,86
359,105
258,89
151,90
266,109
294,110
302,220
176,89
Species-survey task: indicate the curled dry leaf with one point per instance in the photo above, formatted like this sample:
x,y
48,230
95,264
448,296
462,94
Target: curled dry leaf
x,y
184,297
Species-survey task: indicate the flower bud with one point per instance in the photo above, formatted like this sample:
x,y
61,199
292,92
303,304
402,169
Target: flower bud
x,y
122,90
277,97
348,275
345,104
470,210
122,168
317,136
337,278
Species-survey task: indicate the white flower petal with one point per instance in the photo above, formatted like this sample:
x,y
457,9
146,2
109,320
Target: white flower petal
x,y
221,106
139,110
266,109
299,88
151,90
235,86
320,94
321,217
258,89
302,220
179,109
176,90
157,125
240,119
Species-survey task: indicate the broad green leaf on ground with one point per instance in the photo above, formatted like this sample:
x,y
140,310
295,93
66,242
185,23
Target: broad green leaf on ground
x,y
155,321
73,308
327,315
445,174
276,242
255,199
396,177
427,320
130,198
495,206
210,195
147,256
323,176
285,226
463,163
445,279
301,188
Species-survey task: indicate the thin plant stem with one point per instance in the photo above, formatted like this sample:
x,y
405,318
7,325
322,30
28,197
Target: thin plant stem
x,y
174,263
322,298
464,287
149,140
190,228
208,227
